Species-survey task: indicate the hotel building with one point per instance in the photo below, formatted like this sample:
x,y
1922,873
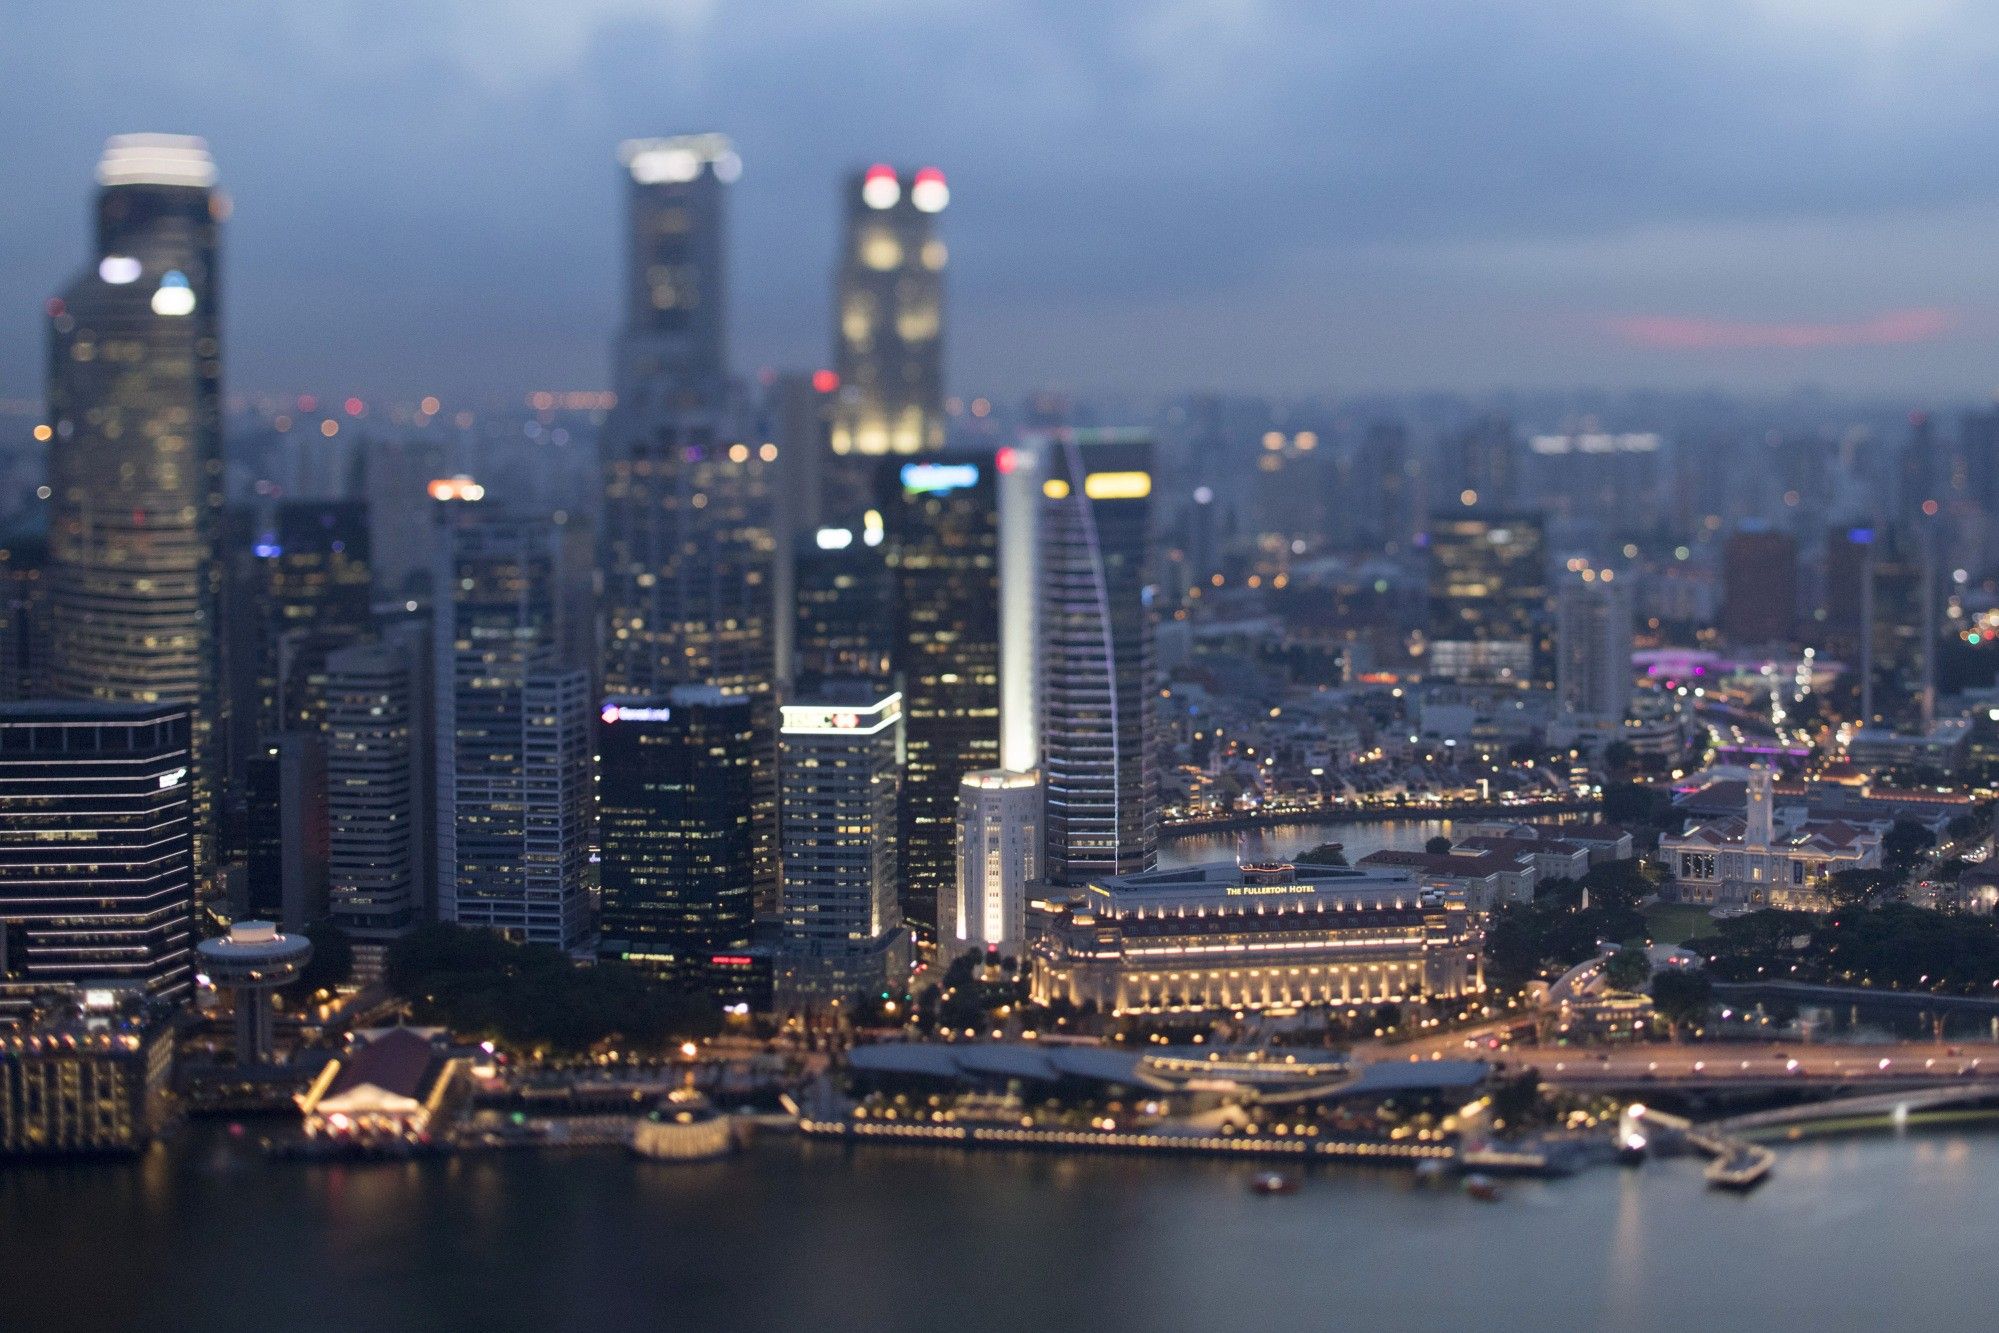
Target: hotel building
x,y
1222,936
999,855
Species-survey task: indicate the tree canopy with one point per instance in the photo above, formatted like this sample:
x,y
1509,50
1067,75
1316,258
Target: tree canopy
x,y
479,984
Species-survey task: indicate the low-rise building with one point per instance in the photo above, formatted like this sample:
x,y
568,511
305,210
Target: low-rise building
x,y
1223,936
1759,859
1552,858
394,1084
1603,842
1487,880
84,1072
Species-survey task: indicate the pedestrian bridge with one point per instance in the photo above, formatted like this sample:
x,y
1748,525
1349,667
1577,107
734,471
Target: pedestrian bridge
x,y
1894,1105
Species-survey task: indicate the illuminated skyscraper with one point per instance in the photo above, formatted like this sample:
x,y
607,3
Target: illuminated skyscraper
x,y
999,855
1488,596
96,834
674,798
379,793
1096,687
843,598
689,547
941,515
135,468
1593,647
513,732
889,339
842,763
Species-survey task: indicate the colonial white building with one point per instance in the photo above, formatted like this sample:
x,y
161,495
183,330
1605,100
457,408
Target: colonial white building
x,y
1762,859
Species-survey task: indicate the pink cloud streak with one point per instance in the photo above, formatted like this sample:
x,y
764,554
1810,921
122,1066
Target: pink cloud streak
x,y
1682,333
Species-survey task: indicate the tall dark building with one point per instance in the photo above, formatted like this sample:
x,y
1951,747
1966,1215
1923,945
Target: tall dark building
x,y
96,845
1759,586
286,831
1096,667
513,731
843,598
380,792
135,468
690,510
320,600
1483,458
942,520
1488,584
24,618
889,335
674,801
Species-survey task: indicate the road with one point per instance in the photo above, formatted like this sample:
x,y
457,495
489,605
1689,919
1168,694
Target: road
x,y
1722,1064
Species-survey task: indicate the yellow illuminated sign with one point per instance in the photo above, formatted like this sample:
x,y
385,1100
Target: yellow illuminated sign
x,y
1117,485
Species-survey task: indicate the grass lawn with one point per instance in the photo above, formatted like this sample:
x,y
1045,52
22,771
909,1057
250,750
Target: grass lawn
x,y
1676,923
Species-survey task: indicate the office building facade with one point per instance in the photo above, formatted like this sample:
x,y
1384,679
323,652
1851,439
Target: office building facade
x,y
1096,687
675,806
840,751
379,797
1488,596
941,514
97,846
1593,632
999,855
135,465
889,335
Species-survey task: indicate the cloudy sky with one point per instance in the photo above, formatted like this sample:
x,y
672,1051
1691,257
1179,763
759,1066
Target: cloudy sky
x,y
1319,195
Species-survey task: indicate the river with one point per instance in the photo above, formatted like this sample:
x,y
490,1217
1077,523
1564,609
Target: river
x,y
1281,841
1849,1235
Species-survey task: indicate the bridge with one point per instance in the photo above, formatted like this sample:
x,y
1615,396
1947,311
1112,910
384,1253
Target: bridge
x,y
1812,993
1865,1106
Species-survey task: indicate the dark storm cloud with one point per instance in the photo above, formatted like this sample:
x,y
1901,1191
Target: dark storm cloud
x,y
1143,194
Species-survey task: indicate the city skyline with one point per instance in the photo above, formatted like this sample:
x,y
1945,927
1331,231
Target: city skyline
x,y
1302,201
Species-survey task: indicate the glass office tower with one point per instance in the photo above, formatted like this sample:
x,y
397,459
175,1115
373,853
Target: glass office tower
x,y
135,466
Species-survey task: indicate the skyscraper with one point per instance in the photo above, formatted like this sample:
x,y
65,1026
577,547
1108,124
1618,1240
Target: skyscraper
x,y
379,798
841,755
1759,581
96,845
675,805
689,544
889,312
1593,623
1488,596
321,589
1096,683
941,515
135,468
999,855
512,725
286,840
843,624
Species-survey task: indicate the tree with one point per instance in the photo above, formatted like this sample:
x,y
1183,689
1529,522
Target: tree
x,y
1627,969
1515,1100
1904,842
331,962
1682,996
1325,854
1438,846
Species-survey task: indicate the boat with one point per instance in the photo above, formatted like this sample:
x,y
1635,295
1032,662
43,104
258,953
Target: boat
x,y
1741,1172
1273,1182
1482,1188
